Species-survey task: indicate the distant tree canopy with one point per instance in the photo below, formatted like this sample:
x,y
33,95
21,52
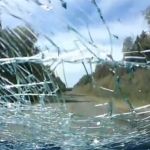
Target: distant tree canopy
x,y
127,44
12,41
142,41
20,42
146,14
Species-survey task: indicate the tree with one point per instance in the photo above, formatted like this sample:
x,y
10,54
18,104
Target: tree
x,y
20,42
137,44
146,14
23,38
142,42
127,44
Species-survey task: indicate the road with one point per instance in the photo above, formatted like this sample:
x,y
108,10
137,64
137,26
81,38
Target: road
x,y
96,105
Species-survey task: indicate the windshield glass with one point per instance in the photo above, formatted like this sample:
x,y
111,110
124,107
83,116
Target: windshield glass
x,y
74,74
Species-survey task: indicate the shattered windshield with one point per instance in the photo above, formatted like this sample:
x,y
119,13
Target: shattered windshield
x,y
74,75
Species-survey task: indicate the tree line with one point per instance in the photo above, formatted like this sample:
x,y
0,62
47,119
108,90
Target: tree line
x,y
20,42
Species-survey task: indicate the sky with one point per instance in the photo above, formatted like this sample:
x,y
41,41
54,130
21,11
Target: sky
x,y
122,17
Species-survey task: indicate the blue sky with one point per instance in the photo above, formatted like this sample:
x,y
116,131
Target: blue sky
x,y
52,24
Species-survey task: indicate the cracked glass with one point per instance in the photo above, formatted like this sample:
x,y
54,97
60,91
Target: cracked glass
x,y
74,75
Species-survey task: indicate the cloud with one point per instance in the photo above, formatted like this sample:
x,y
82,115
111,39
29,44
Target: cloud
x,y
115,9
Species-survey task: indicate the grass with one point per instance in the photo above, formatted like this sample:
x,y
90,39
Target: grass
x,y
137,90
